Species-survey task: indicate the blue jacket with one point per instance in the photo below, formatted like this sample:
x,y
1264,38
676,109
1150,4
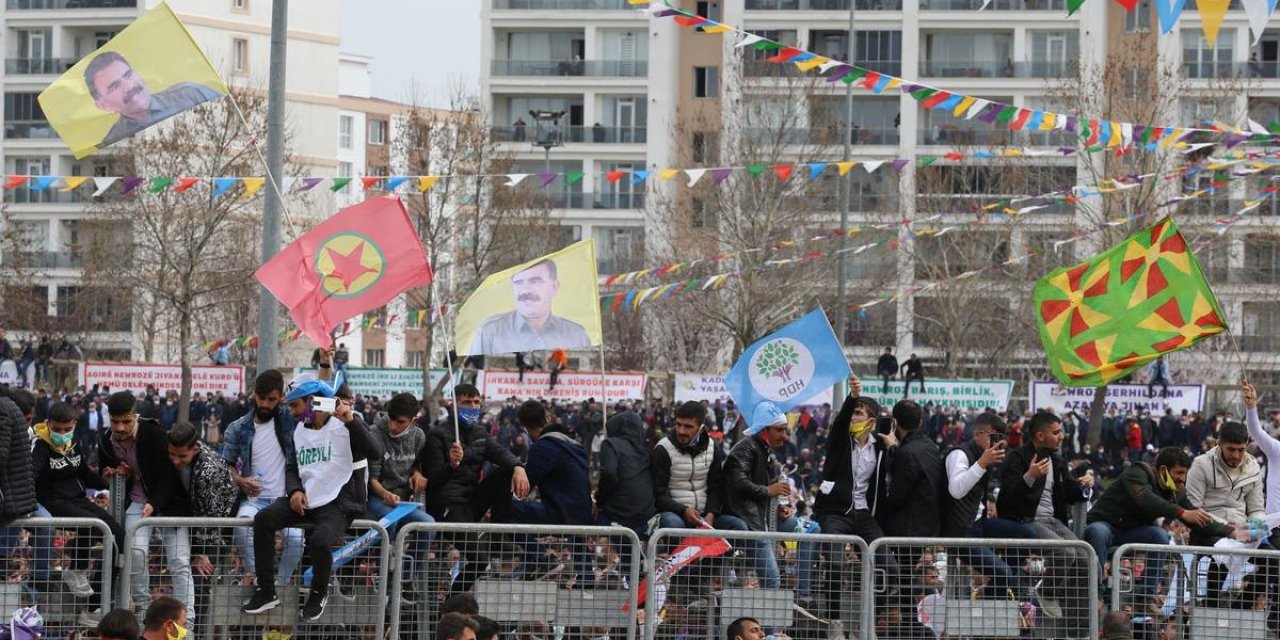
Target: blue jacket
x,y
557,466
237,442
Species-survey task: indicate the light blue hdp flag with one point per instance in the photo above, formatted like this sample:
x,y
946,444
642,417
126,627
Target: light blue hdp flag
x,y
788,366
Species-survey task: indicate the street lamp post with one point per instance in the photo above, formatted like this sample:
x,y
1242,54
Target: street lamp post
x,y
547,132
846,188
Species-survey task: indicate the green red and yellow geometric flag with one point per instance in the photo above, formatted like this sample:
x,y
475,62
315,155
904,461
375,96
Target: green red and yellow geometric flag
x,y
1105,317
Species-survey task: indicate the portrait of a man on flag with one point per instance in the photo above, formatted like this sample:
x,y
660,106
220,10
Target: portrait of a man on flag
x,y
151,71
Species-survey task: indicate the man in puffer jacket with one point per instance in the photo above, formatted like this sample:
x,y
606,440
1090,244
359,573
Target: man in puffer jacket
x,y
1227,482
625,493
17,482
688,475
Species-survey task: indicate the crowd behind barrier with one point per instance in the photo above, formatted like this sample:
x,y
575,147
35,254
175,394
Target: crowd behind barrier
x,y
654,573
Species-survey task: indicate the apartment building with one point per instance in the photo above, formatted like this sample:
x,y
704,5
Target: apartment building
x,y
43,38
623,79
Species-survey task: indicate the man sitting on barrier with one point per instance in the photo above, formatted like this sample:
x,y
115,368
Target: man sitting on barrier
x,y
1127,511
207,483
135,449
1035,489
394,478
970,469
62,475
258,447
749,493
557,468
688,475
327,485
1226,481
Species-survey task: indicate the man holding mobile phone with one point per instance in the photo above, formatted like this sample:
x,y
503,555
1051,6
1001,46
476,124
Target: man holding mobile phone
x,y
970,468
326,485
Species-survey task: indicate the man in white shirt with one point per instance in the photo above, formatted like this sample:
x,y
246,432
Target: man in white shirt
x,y
259,447
970,468
327,485
1269,446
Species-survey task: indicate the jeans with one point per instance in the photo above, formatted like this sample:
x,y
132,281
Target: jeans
x,y
41,543
177,550
420,544
243,536
906,383
986,562
1102,536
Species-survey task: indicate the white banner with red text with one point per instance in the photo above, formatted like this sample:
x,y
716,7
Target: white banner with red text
x,y
1123,398
132,376
575,386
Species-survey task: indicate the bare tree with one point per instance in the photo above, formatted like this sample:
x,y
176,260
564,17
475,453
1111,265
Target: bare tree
x,y
193,254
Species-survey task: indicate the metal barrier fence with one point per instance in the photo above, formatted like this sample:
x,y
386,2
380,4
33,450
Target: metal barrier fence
x,y
806,585
1211,592
61,566
205,568
981,588
533,581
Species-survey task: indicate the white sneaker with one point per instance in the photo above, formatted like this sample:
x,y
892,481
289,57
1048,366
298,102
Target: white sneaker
x,y
90,619
77,583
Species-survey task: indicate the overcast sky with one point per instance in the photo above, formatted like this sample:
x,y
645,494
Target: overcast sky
x,y
427,42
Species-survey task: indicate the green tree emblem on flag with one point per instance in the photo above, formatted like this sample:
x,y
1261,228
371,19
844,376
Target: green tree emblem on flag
x,y
1107,316
777,359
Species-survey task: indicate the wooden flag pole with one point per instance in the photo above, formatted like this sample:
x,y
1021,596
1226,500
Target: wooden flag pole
x,y
448,363
604,391
1235,346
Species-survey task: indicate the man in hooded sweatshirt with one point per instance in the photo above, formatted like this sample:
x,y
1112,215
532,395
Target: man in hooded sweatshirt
x,y
394,478
557,468
62,475
625,494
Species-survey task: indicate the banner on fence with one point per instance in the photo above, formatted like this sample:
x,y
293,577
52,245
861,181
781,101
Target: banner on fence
x,y
956,394
576,386
132,376
386,382
700,386
1121,397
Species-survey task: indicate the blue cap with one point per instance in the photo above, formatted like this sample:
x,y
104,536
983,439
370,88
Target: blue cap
x,y
307,384
765,415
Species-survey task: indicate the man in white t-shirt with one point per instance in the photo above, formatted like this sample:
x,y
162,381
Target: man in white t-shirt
x,y
258,447
326,485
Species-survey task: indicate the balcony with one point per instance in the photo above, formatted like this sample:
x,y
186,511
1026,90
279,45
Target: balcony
x,y
577,134
1228,69
37,66
957,135
938,203
974,69
996,5
1054,138
606,200
1260,343
28,129
20,5
831,135
859,201
562,5
1208,206
567,68
823,5
23,195
43,260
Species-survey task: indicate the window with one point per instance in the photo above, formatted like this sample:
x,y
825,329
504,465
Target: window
x,y
706,82
1261,259
22,106
1201,60
344,170
1135,84
706,147
709,10
1139,20
415,359
346,130
703,214
240,5
375,357
240,55
377,170
377,132
100,38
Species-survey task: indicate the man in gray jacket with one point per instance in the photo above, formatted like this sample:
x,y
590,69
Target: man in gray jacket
x,y
395,478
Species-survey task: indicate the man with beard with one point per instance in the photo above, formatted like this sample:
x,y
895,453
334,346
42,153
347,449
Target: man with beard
x,y
532,325
688,479
259,447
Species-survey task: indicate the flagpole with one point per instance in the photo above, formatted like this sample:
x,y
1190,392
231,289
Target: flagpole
x,y
604,391
448,363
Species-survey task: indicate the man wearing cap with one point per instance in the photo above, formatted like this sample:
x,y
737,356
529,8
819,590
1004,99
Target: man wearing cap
x,y
135,449
749,493
326,485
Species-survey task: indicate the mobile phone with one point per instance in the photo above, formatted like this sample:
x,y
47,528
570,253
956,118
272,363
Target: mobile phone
x,y
884,425
327,405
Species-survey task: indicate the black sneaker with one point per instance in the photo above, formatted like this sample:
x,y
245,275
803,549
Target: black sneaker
x,y
263,600
314,608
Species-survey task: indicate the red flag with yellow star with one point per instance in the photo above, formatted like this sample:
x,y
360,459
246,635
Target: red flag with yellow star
x,y
355,261
1105,317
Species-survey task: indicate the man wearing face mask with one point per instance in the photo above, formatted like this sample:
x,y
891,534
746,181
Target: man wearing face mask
x,y
166,619
394,478
1127,511
259,447
135,449
62,477
452,465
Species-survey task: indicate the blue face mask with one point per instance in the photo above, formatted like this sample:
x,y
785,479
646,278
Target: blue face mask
x,y
469,415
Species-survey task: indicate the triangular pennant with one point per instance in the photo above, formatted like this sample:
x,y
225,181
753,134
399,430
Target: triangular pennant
x,y
13,182
251,187
394,182
222,185
871,165
844,167
309,184
721,174
340,183
130,183
1211,14
545,179
514,179
74,182
748,39
816,169
573,177
667,174
185,184
102,184
367,182
159,183
694,175
783,171
426,182
1169,11
1259,11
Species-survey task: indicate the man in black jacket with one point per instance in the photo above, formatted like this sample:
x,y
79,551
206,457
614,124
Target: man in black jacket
x,y
854,469
688,478
135,449
887,368
970,468
914,369
912,502
625,492
1035,489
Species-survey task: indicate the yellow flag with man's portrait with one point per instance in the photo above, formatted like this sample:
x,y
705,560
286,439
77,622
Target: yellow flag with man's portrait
x,y
151,71
549,303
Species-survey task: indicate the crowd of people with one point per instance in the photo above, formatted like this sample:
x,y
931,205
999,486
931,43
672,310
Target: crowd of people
x,y
307,458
